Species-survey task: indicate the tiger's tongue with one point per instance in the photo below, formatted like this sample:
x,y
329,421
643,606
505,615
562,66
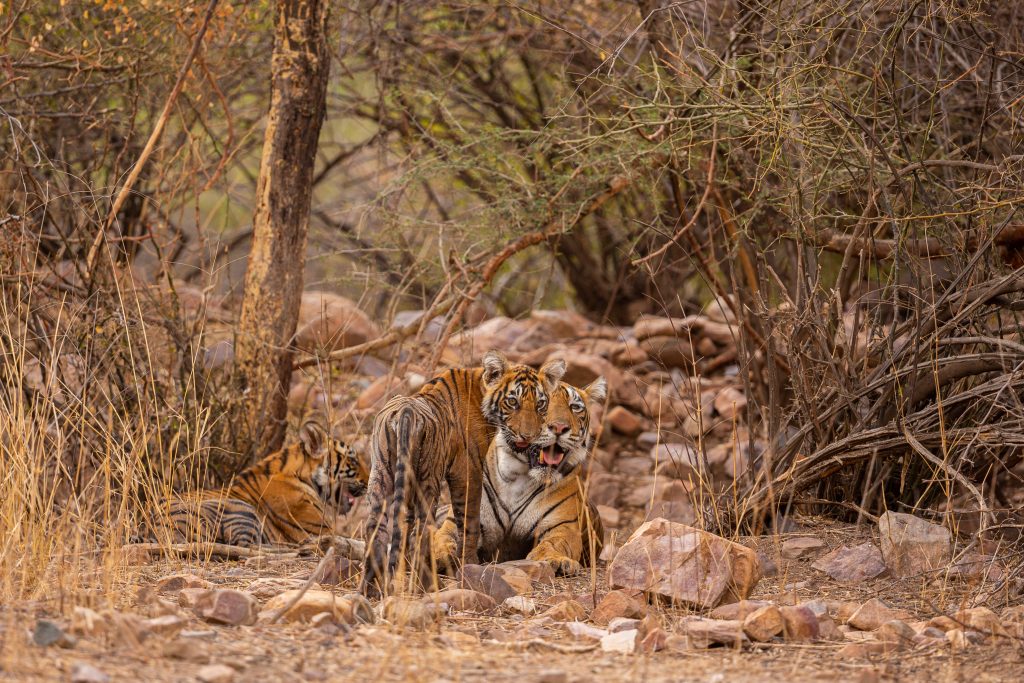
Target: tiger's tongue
x,y
549,456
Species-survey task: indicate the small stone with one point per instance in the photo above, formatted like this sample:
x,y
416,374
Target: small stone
x,y
566,610
412,614
625,421
852,565
624,642
982,620
87,673
229,607
168,625
795,548
462,600
677,643
799,624
47,633
205,634
911,545
521,605
730,403
618,603
827,629
647,440
266,588
703,633
654,641
610,516
541,572
176,582
581,631
860,650
958,639
896,632
737,610
499,584
617,624
763,624
190,598
552,676
216,673
873,614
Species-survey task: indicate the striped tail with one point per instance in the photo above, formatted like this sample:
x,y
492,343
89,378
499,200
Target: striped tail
x,y
398,520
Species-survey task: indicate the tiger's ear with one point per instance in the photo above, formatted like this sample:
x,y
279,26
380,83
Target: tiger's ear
x,y
313,436
495,365
551,373
597,390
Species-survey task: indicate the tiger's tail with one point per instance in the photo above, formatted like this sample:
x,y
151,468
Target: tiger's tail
x,y
398,519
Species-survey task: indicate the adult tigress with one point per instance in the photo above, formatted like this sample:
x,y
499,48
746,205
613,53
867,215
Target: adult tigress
x,y
534,505
290,496
440,435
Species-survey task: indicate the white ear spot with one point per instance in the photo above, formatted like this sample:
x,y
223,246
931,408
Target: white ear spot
x,y
551,373
597,390
495,365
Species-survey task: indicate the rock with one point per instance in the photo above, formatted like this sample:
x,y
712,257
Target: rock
x,y
175,582
618,603
795,548
737,610
604,489
703,633
610,516
617,624
462,600
685,461
266,588
566,610
958,639
552,676
980,619
684,564
677,643
897,632
911,545
625,421
216,673
521,605
583,368
852,565
827,629
47,633
730,403
190,598
673,503
670,352
497,582
330,321
229,607
87,673
861,650
345,609
168,625
541,572
873,614
413,614
581,631
87,622
975,567
654,641
380,390
647,440
763,624
799,624
624,642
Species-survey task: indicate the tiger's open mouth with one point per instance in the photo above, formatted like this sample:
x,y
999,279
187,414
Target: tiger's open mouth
x,y
547,456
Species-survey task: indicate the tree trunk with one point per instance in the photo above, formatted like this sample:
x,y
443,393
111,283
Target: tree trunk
x,y
273,276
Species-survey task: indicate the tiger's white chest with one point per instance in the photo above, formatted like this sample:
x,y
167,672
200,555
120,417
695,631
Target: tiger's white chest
x,y
509,513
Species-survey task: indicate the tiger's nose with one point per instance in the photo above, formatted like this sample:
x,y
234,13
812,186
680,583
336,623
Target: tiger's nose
x,y
559,428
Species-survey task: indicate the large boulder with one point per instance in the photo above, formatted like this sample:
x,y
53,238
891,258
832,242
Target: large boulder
x,y
911,545
330,321
685,565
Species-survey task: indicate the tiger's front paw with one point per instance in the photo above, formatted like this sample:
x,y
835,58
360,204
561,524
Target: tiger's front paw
x,y
563,565
444,551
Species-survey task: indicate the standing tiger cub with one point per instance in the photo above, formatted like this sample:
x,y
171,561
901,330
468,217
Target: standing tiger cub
x,y
440,435
290,496
534,506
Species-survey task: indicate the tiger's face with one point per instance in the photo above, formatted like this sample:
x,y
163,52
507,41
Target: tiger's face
x,y
567,439
517,398
339,475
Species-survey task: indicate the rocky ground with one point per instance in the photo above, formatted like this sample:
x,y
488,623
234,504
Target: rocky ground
x,y
575,629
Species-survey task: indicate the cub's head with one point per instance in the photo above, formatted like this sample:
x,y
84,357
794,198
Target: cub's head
x,y
516,398
337,473
567,439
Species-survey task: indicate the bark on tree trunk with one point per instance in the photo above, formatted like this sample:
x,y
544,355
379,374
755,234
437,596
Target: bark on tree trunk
x,y
274,273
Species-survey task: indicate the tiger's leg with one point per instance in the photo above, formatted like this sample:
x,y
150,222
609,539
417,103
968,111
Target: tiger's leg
x,y
376,530
465,488
561,546
421,565
444,544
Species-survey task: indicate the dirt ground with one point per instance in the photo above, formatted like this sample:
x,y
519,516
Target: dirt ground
x,y
500,647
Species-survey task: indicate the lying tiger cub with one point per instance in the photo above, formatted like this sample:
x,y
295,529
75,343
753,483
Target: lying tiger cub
x,y
534,506
291,496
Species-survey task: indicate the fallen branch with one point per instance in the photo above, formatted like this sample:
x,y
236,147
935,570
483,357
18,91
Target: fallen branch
x,y
220,550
